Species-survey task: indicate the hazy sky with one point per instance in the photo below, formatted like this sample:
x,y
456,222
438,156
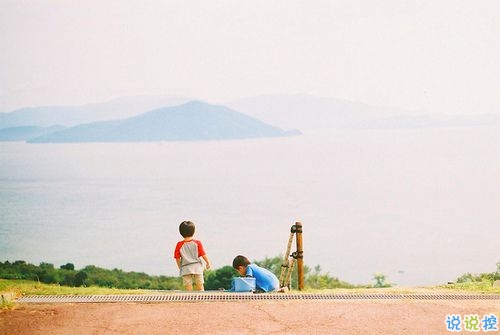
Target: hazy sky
x,y
438,55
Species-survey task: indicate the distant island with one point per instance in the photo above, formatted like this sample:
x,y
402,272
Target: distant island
x,y
24,133
69,116
174,118
191,121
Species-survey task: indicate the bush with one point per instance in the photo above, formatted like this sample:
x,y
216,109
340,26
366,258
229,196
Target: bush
x,y
91,275
480,277
220,278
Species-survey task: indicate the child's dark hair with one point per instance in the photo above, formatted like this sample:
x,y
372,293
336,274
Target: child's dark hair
x,y
186,228
240,261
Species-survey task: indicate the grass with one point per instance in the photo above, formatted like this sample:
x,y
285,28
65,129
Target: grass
x,y
482,286
26,287
442,289
6,301
485,287
18,288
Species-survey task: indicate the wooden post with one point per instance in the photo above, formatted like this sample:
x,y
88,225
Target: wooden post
x,y
285,266
300,256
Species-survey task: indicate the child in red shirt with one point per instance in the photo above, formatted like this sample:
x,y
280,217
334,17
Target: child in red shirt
x,y
188,254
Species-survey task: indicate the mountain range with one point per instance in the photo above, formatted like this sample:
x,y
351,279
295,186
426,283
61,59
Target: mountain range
x,y
192,121
24,133
46,116
303,111
129,119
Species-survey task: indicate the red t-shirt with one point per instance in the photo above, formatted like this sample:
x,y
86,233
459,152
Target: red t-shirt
x,y
180,244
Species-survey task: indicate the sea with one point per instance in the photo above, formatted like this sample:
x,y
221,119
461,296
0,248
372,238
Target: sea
x,y
421,206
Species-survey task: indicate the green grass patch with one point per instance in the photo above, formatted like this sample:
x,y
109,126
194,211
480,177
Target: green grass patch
x,y
485,286
19,288
27,287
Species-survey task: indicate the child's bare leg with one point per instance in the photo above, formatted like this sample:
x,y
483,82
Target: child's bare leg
x,y
188,282
198,282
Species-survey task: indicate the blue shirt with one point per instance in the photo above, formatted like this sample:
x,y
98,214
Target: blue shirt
x,y
264,279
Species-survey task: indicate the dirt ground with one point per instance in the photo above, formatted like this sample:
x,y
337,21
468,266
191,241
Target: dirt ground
x,y
243,317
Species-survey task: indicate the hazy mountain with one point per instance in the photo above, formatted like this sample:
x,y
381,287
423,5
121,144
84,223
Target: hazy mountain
x,y
424,120
25,133
303,111
297,111
191,121
490,119
73,115
309,112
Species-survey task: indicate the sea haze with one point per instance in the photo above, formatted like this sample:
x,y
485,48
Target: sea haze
x,y
419,205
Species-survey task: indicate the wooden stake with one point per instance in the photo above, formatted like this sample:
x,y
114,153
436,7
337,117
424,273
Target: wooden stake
x,y
285,265
300,255
288,278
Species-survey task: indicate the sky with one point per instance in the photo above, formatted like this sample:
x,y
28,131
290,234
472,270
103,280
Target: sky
x,y
438,56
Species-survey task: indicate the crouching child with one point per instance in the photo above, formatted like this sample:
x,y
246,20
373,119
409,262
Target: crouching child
x,y
265,280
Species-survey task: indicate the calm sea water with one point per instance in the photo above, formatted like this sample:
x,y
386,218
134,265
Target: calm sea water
x,y
420,206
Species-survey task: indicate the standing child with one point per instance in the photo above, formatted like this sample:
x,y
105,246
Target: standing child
x,y
188,254
265,280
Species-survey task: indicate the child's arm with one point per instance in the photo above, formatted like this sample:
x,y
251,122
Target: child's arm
x,y
207,261
178,261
